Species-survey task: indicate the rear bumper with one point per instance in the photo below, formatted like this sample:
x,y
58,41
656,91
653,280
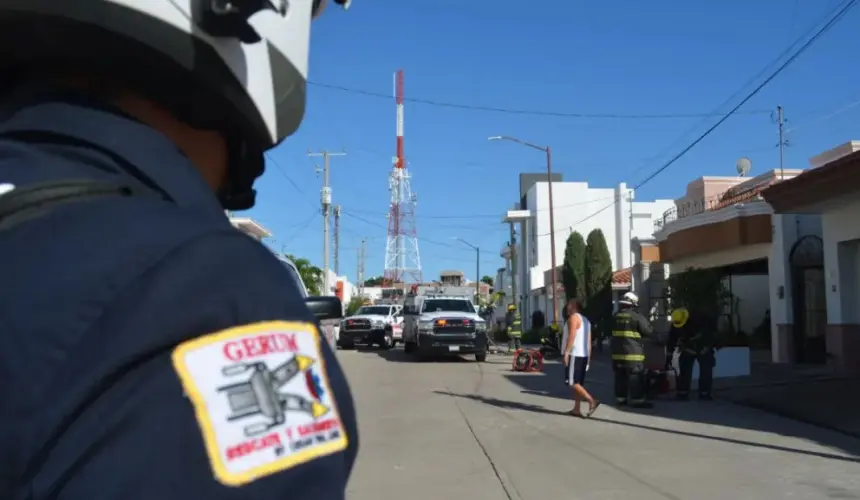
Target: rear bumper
x,y
452,344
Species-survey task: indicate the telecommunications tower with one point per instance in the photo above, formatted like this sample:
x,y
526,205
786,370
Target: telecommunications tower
x,y
402,260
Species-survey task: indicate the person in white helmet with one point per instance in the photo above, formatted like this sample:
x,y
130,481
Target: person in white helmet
x,y
151,351
630,330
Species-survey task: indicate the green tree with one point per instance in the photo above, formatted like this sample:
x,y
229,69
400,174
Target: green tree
x,y
353,305
598,281
374,281
311,275
488,280
704,293
573,268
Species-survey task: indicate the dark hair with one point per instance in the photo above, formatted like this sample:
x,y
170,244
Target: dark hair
x,y
574,305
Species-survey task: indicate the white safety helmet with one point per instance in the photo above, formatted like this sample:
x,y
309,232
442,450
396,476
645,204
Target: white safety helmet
x,y
237,66
630,299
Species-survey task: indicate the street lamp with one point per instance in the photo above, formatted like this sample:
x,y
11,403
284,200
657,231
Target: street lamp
x,y
477,267
545,149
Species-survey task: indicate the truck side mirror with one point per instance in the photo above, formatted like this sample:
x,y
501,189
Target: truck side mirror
x,y
324,308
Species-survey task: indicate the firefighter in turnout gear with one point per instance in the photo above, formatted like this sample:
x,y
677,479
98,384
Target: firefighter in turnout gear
x,y
515,329
691,336
629,331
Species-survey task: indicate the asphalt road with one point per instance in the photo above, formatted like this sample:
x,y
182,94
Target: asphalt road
x,y
458,429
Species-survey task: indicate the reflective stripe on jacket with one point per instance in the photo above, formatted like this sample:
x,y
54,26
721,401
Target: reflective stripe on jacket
x,y
626,340
515,329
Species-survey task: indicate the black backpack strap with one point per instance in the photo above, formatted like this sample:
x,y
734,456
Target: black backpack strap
x,y
33,201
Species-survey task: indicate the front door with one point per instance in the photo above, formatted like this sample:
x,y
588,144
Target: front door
x,y
809,301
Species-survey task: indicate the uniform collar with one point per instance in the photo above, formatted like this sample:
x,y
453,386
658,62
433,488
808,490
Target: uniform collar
x,y
140,145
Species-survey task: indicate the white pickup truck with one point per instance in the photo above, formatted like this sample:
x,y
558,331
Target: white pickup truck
x,y
372,325
328,310
439,323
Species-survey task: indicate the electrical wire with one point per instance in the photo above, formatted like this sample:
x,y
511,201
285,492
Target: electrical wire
x,y
826,117
304,225
487,216
289,179
846,7
768,67
557,114
422,239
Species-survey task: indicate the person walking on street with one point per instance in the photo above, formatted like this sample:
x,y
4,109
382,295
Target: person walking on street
x,y
629,332
515,329
693,336
577,357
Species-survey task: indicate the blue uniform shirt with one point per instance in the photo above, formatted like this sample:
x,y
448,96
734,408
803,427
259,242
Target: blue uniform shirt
x,y
102,396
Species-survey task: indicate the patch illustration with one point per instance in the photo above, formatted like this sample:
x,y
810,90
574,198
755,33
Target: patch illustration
x,y
262,398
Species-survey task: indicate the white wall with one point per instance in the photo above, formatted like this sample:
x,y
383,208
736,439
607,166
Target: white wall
x,y
644,214
787,230
840,230
581,208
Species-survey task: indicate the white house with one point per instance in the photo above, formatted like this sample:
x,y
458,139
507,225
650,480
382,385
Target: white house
x,y
819,281
577,207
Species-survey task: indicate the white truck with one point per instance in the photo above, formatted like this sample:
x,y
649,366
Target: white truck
x,y
378,324
328,310
443,321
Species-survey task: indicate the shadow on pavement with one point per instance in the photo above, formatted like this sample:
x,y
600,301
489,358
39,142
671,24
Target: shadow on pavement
x,y
398,356
722,412
513,405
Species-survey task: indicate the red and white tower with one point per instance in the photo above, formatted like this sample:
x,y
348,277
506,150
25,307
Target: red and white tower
x,y
402,260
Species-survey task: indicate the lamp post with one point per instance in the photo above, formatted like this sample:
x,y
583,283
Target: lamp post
x,y
477,267
548,152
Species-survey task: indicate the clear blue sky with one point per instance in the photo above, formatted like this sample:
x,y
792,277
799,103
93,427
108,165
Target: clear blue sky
x,y
616,57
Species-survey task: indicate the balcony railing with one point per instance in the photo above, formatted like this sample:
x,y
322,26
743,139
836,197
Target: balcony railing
x,y
720,201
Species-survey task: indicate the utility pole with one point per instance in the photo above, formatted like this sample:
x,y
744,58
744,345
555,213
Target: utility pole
x,y
513,256
337,240
362,260
630,235
325,200
477,275
780,120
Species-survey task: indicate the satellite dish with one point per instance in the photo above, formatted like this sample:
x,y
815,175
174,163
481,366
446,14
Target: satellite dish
x,y
743,166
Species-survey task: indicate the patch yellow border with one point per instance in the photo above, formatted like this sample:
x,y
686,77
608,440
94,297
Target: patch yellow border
x,y
206,425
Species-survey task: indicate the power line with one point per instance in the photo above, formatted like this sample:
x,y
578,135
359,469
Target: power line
x,y
824,118
289,179
557,114
775,61
495,215
304,225
832,22
425,240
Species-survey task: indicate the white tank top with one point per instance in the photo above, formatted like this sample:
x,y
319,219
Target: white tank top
x,y
580,342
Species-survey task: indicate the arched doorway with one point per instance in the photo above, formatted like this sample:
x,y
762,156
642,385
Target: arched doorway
x,y
809,300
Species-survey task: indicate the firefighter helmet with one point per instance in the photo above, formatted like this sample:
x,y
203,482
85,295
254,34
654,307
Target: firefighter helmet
x,y
630,299
680,317
238,67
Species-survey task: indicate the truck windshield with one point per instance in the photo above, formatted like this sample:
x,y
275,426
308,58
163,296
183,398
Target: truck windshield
x,y
296,279
375,310
453,305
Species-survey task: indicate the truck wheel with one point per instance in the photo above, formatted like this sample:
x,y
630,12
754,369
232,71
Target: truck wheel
x,y
481,357
347,345
387,341
409,347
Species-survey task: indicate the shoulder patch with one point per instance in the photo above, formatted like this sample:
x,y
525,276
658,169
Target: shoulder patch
x,y
262,398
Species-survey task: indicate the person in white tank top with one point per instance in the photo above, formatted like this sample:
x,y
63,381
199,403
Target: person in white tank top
x,y
577,354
